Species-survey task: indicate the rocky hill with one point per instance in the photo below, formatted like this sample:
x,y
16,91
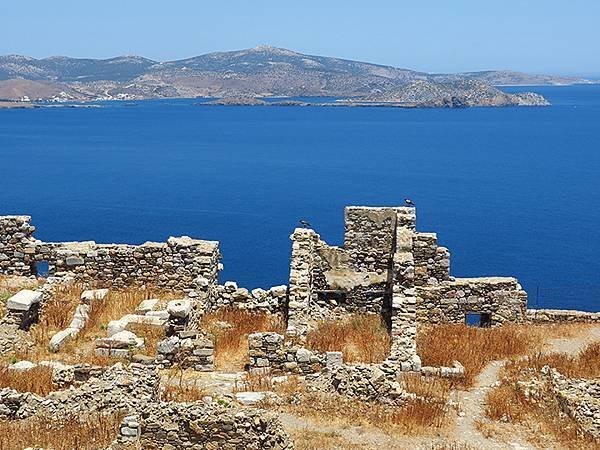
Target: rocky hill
x,y
455,94
261,71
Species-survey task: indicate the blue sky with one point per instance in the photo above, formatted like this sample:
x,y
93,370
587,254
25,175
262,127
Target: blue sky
x,y
557,37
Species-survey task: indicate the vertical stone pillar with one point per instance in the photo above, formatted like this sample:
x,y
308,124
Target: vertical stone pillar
x,y
17,245
300,285
404,317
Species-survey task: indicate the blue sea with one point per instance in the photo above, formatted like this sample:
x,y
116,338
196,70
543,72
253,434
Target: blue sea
x,y
510,191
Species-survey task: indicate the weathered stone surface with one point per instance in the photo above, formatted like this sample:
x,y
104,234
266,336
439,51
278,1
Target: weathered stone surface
x,y
179,308
120,340
60,339
147,305
94,294
23,300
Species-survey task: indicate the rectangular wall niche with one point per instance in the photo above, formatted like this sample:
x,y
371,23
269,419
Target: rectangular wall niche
x,y
475,319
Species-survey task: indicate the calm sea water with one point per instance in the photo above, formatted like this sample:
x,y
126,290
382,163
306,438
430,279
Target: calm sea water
x,y
511,191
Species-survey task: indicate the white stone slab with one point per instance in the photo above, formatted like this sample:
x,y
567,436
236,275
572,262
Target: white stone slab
x,y
23,300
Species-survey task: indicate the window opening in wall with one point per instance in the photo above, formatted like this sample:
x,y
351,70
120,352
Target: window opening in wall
x,y
338,296
482,320
42,269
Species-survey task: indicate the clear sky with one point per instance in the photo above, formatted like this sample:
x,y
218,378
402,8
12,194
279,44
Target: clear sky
x,y
544,36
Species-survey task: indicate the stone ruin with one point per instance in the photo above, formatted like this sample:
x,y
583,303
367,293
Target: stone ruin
x,y
385,267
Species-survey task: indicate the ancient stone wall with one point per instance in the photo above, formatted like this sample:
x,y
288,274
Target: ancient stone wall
x,y
17,246
500,297
432,263
368,237
187,349
579,398
174,265
561,315
198,425
267,351
229,295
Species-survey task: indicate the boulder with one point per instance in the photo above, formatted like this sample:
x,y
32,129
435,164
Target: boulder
x,y
23,300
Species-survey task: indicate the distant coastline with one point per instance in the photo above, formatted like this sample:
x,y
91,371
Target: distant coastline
x,y
258,72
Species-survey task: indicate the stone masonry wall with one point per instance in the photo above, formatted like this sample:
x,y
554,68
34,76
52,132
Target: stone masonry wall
x,y
368,237
432,263
198,425
174,264
561,315
267,351
502,297
17,246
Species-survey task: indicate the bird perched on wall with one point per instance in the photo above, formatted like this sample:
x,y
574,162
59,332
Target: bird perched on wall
x,y
409,202
304,223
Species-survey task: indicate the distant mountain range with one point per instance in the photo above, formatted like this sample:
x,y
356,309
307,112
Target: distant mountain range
x,y
260,72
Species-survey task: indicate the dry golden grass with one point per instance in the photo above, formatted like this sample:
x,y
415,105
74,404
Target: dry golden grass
x,y
88,433
431,388
37,380
361,337
415,417
231,327
509,402
254,382
176,387
309,439
474,348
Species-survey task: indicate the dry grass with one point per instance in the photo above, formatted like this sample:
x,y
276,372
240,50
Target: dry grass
x,y
88,433
37,380
231,327
309,439
475,347
176,387
538,409
361,337
415,417
431,388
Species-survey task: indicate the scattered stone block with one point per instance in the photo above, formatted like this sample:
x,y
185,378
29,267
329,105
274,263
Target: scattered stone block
x,y
120,340
23,300
60,339
80,317
93,295
147,305
161,314
250,398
